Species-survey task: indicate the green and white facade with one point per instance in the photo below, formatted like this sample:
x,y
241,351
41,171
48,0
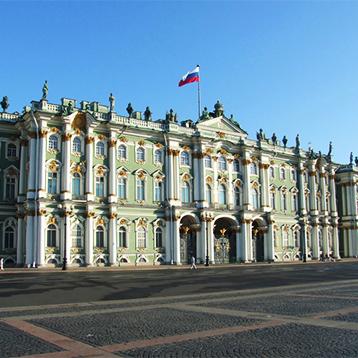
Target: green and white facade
x,y
127,191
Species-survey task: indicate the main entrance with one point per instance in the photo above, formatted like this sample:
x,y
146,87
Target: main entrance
x,y
225,230
188,230
258,240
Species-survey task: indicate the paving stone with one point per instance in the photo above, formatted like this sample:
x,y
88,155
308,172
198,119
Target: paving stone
x,y
291,340
285,305
15,343
109,328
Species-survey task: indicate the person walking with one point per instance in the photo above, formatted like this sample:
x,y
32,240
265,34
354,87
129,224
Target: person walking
x,y
2,264
193,264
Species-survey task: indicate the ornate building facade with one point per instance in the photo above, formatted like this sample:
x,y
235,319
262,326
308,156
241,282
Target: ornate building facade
x,y
98,188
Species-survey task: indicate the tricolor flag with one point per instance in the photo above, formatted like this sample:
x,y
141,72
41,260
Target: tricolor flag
x,y
192,76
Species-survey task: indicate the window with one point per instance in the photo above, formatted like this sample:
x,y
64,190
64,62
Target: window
x,y
255,198
122,188
51,236
140,155
10,188
140,189
141,237
273,200
11,150
297,238
282,173
9,242
76,145
99,236
52,183
184,158
318,203
157,191
328,206
236,166
122,237
222,163
272,172
158,156
283,201
253,168
100,149
237,195
293,174
100,186
158,237
294,202
207,161
284,238
76,184
185,192
208,194
53,142
77,236
222,194
122,152
307,201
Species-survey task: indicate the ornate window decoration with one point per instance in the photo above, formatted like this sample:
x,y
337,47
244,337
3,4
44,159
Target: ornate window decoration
x,y
158,237
122,237
273,197
122,152
77,171
184,158
237,193
253,168
158,187
77,146
53,143
283,191
285,239
9,234
158,156
236,165
100,237
101,183
293,174
141,177
296,236
140,155
53,168
255,202
51,239
11,178
100,150
11,151
222,163
272,172
328,201
185,189
208,161
282,173
122,180
222,194
208,194
77,236
141,232
294,199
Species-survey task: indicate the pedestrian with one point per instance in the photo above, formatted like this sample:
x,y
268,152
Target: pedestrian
x,y
193,265
2,264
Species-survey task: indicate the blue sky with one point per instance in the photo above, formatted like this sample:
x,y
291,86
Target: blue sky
x,y
288,67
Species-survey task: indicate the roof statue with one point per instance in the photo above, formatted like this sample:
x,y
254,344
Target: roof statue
x,y
205,113
284,141
351,159
218,109
329,149
112,102
147,114
45,90
5,103
260,134
129,110
356,161
298,143
274,139
171,116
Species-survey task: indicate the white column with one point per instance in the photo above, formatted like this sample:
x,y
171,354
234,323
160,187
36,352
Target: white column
x,y
40,240
332,189
176,178
176,238
20,241
32,168
196,176
214,188
315,244
112,198
325,243
168,242
210,224
89,239
41,164
202,185
301,187
201,250
66,174
230,198
322,182
29,239
270,243
67,237
169,174
312,187
89,168
23,175
112,239
246,254
246,187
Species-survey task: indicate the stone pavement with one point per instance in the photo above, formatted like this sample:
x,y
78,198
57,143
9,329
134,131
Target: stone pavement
x,y
306,320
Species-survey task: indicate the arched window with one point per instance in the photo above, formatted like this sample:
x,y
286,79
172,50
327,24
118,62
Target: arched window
x,y
10,188
294,202
9,239
236,165
122,152
140,190
76,145
282,173
100,148
100,186
122,188
222,163
52,182
158,156
140,154
237,196
185,192
100,236
253,168
141,238
284,239
51,236
293,174
222,194
122,237
297,238
158,237
77,236
53,142
272,172
208,194
207,161
255,198
273,200
76,184
283,201
157,191
11,150
184,158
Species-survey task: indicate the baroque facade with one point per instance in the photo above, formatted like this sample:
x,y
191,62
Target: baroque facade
x,y
96,187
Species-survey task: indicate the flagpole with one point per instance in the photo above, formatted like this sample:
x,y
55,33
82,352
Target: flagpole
x,y
199,97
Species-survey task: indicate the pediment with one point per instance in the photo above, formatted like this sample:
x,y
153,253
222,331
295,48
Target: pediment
x,y
221,124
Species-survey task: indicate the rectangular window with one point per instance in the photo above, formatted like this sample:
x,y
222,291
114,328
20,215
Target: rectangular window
x,y
141,237
100,186
140,190
157,191
122,188
52,183
10,188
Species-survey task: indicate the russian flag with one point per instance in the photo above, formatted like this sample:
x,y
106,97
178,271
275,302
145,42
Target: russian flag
x,y
190,77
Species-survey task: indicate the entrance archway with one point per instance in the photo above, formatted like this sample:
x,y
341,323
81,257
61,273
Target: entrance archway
x,y
188,230
225,230
258,240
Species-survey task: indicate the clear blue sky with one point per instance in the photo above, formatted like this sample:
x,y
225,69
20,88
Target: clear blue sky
x,y
288,67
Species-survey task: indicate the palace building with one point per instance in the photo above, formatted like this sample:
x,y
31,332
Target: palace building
x,y
81,182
